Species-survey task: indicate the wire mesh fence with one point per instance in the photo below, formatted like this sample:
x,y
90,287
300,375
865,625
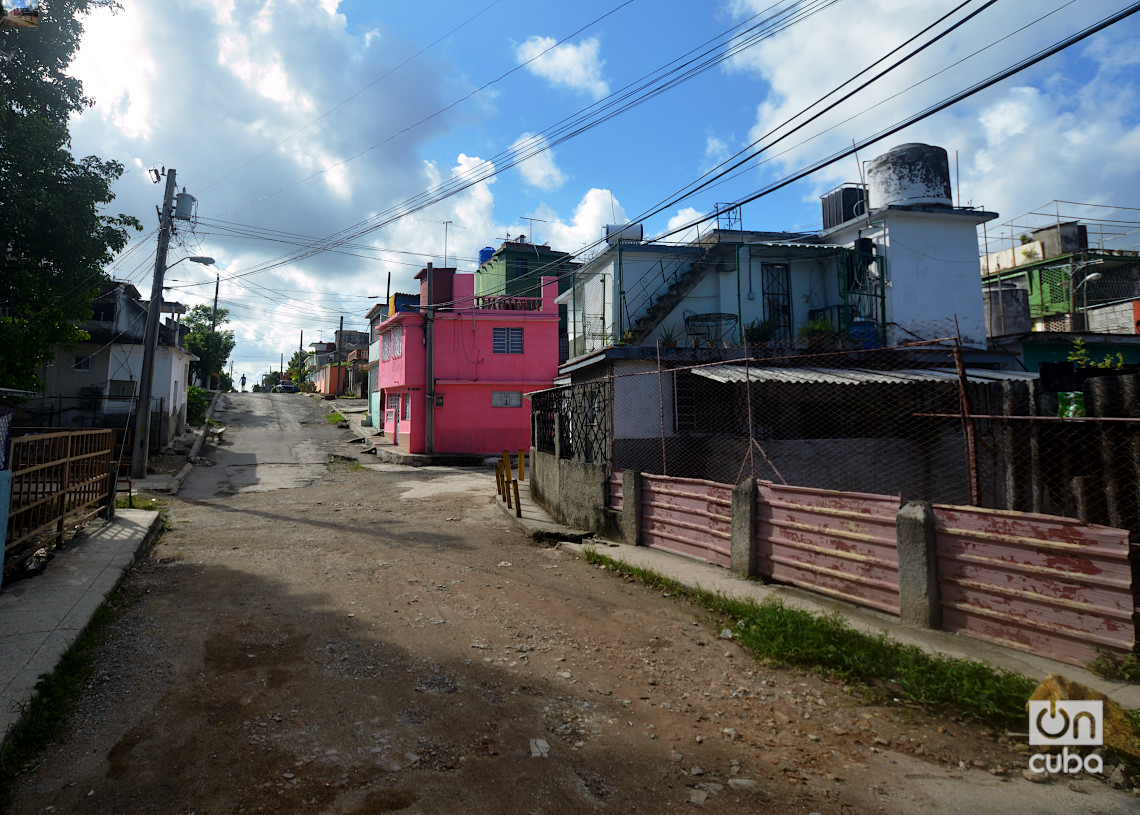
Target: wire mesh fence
x,y
916,419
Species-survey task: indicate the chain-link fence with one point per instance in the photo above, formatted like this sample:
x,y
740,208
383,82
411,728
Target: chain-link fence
x,y
917,418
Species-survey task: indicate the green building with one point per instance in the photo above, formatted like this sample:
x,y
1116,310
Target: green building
x,y
516,268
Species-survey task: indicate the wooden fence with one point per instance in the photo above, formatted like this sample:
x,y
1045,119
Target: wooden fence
x,y
57,479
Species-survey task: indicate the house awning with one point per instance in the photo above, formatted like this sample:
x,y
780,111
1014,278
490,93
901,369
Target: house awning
x,y
854,376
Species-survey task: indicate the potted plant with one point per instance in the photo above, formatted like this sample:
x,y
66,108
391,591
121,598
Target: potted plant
x,y
759,332
668,336
818,333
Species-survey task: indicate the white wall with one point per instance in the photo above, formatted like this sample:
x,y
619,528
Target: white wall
x,y
934,274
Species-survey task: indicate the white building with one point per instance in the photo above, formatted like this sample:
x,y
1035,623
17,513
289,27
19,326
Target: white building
x,y
896,261
95,383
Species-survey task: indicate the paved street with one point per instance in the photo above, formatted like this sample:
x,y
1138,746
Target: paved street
x,y
319,635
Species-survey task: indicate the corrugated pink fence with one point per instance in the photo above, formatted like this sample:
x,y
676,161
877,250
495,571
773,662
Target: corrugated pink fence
x,y
1043,584
1038,583
687,517
842,544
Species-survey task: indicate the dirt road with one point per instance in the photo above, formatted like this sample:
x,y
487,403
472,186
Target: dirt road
x,y
315,638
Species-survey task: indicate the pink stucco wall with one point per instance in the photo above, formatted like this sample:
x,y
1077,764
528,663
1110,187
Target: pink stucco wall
x,y
328,379
467,371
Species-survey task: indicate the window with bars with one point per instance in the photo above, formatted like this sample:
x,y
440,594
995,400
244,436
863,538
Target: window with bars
x,y
397,341
407,407
506,399
507,340
385,346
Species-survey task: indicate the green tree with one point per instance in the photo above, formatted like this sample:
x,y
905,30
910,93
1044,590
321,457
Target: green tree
x,y
210,346
54,238
296,368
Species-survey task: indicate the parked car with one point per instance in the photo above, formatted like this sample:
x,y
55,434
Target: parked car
x,y
285,387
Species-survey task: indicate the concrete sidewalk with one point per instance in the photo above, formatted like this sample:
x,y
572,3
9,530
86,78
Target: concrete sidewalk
x,y
696,574
355,410
41,617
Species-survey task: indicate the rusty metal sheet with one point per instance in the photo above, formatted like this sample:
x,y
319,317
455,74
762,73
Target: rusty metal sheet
x,y
687,517
1039,583
842,544
616,496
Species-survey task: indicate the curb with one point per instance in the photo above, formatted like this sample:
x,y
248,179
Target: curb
x,y
197,448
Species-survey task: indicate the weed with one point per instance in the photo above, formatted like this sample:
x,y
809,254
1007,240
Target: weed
x,y
334,418
136,501
344,465
1125,668
825,642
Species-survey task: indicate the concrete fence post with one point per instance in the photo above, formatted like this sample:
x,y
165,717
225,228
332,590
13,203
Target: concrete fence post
x,y
743,557
920,602
631,506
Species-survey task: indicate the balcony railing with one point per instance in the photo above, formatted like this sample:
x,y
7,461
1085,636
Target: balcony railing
x,y
507,303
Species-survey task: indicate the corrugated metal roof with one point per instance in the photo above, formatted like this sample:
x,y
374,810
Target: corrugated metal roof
x,y
854,376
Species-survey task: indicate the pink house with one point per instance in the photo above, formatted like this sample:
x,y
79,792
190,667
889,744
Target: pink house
x,y
486,352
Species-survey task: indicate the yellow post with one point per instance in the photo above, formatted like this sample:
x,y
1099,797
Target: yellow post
x,y
522,466
509,504
518,503
499,478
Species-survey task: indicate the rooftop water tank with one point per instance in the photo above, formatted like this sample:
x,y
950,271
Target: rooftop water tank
x,y
910,175
485,254
624,232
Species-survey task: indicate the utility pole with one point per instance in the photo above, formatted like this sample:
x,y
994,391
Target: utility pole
x,y
340,358
429,364
300,360
217,282
141,449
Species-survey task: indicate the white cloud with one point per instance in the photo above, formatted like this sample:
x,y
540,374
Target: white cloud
x,y
1066,130
686,216
539,170
119,70
578,67
597,208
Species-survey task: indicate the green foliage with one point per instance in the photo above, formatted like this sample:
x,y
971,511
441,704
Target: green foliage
x,y
212,347
196,404
1079,356
308,387
669,333
272,379
334,418
791,636
1125,668
296,368
759,331
54,239
818,327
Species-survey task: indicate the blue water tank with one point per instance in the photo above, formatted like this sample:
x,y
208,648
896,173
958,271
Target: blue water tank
x,y
485,254
865,333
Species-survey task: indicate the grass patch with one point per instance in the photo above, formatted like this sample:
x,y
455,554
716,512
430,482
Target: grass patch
x,y
46,715
344,465
778,633
136,501
334,418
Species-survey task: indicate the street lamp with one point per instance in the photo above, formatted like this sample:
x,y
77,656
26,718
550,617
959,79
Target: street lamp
x,y
1074,286
141,448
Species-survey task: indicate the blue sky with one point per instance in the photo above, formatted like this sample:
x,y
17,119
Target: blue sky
x,y
390,100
